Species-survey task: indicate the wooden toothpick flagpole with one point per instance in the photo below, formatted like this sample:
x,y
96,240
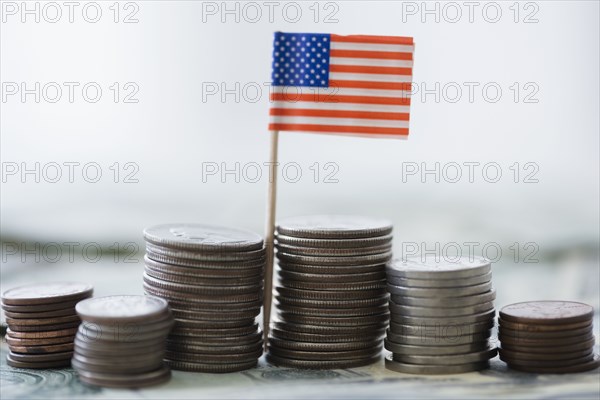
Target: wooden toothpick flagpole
x,y
270,235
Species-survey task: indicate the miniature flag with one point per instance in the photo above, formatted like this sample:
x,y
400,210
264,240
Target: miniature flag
x,y
350,85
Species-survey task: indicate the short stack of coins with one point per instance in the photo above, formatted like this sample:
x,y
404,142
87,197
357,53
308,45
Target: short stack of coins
x,y
547,337
121,341
42,323
442,314
331,296
212,278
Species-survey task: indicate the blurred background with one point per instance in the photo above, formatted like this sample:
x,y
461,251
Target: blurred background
x,y
120,116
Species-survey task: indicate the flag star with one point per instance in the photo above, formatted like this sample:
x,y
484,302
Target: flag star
x,y
314,38
297,54
318,55
292,80
322,71
277,64
301,80
287,75
297,65
303,38
318,44
319,66
292,70
276,43
313,49
293,38
303,49
287,65
277,53
324,61
308,44
306,76
296,76
324,39
307,65
302,59
313,60
324,50
276,75
311,81
312,71
287,54
318,76
322,82
302,70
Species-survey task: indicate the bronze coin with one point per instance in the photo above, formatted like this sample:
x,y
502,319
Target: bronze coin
x,y
38,342
526,334
125,380
325,355
554,348
42,321
46,293
547,312
38,308
563,341
35,358
38,364
321,364
550,356
587,366
40,328
55,348
535,327
42,314
42,334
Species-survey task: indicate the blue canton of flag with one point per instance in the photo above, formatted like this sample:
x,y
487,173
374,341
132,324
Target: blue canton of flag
x,y
301,59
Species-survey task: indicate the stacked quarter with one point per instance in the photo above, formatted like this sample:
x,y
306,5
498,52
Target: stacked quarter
x,y
547,337
212,278
42,322
331,296
442,314
121,342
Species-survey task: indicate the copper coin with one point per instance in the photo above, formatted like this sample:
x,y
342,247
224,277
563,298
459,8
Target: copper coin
x,y
535,327
42,334
548,364
563,341
587,366
45,293
589,344
55,348
126,380
38,364
547,312
42,314
526,334
210,368
36,358
550,356
39,308
40,328
43,321
38,342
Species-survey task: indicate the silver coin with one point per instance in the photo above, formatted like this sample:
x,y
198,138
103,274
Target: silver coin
x,y
423,267
321,364
434,340
407,368
331,269
324,347
430,321
332,312
441,330
437,293
339,286
339,278
153,250
370,302
439,283
325,355
218,269
335,322
445,302
454,359
201,289
333,251
331,331
333,226
127,308
201,237
334,243
378,334
341,261
435,350
440,312
330,294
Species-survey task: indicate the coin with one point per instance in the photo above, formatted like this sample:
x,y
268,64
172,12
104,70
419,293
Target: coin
x,y
333,227
212,349
440,283
587,366
422,267
439,292
212,368
550,356
331,321
207,324
203,280
44,293
298,276
433,340
130,365
329,355
218,359
309,346
203,290
42,314
321,364
527,342
331,269
217,316
441,329
333,312
330,294
542,327
333,251
445,360
42,321
376,334
332,261
216,269
334,243
202,237
588,344
407,368
440,312
38,342
199,299
435,350
526,334
41,334
38,358
450,321
548,364
40,328
155,252
55,348
368,285
547,312
39,308
364,330
224,340
128,308
214,332
125,380
370,302
38,364
445,302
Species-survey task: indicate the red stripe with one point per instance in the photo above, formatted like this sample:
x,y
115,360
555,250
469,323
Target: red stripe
x,y
370,85
359,69
372,39
333,98
338,128
383,55
304,112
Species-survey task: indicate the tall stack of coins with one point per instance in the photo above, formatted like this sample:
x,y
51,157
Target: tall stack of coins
x,y
212,278
42,322
331,297
547,337
121,342
441,316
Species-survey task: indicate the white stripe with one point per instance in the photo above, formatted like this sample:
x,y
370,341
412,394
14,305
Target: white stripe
x,y
279,119
364,135
322,93
347,76
339,106
370,62
399,48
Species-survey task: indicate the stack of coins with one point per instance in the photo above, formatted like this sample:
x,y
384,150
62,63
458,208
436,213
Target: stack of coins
x,y
212,278
441,316
547,337
331,297
42,322
121,342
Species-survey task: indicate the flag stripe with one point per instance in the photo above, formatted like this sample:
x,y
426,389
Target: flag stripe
x,y
383,108
385,55
380,123
304,112
371,85
399,101
361,69
372,47
338,129
292,92
372,39
342,76
370,62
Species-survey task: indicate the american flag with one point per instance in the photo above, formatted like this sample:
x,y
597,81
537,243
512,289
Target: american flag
x,y
350,85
